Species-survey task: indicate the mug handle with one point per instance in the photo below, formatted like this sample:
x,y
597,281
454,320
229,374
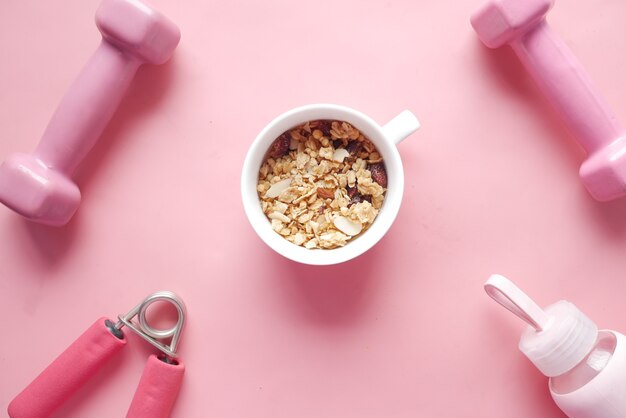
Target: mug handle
x,y
403,125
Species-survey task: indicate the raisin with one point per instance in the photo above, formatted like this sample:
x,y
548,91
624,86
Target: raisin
x,y
354,147
356,199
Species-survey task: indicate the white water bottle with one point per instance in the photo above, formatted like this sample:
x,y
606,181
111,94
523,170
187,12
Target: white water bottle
x,y
586,366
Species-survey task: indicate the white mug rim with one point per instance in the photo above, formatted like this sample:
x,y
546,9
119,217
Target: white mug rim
x,y
360,244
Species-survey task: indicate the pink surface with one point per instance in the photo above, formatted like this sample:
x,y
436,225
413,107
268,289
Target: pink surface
x,y
157,390
405,330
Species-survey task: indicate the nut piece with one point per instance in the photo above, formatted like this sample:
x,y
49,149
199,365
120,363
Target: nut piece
x,y
325,193
379,174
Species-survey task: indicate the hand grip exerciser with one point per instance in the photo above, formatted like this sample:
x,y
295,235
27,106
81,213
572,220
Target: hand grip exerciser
x,y
522,25
38,185
159,384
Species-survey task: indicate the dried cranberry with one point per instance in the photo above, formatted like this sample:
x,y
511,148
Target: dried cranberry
x,y
325,126
280,146
379,174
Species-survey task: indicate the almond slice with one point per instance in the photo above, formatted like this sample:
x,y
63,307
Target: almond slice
x,y
281,217
347,226
278,188
340,154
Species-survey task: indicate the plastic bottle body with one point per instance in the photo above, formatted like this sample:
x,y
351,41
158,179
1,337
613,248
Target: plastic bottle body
x,y
587,366
596,387
587,369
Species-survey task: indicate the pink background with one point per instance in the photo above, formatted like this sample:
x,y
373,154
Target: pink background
x,y
403,331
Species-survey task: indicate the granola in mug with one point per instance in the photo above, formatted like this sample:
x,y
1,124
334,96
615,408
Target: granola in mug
x,y
322,184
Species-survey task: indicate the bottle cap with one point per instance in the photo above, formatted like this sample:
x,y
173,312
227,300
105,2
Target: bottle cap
x,y
557,338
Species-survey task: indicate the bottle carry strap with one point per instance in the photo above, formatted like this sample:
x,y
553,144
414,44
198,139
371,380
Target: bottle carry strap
x,y
507,294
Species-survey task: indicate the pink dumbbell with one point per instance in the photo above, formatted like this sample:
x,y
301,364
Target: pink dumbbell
x,y
38,186
522,25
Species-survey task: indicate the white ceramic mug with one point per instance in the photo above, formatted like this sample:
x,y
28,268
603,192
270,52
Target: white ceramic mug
x,y
385,138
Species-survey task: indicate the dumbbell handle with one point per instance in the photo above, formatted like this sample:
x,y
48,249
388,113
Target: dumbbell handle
x,y
157,390
86,108
67,373
566,84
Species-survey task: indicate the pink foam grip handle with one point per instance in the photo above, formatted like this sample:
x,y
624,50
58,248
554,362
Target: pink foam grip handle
x,y
157,390
67,373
